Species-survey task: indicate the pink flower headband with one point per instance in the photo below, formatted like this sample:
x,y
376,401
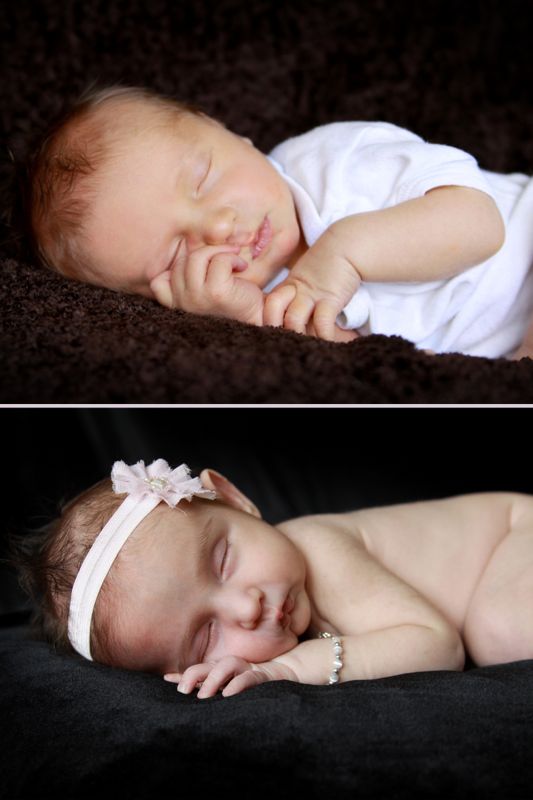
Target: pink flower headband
x,y
145,487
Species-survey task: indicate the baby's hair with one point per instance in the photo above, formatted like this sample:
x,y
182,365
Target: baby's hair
x,y
61,175
49,560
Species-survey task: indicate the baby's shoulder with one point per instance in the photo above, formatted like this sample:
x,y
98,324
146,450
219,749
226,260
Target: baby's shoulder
x,y
319,533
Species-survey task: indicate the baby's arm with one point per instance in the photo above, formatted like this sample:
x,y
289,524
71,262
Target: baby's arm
x,y
448,230
393,650
438,235
387,627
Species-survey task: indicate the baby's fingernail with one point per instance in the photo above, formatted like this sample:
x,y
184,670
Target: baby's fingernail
x,y
181,688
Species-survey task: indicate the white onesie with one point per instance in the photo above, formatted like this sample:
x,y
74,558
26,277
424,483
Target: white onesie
x,y
350,167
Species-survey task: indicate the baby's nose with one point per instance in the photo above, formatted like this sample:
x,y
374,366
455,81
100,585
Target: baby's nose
x,y
219,226
247,608
222,227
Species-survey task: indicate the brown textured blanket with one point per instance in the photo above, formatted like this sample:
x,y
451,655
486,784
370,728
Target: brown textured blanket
x,y
454,72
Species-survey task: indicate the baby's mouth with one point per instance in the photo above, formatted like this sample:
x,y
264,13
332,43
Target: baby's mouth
x,y
281,614
262,239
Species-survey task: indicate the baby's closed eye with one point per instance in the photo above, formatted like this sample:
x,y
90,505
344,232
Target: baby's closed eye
x,y
204,174
222,554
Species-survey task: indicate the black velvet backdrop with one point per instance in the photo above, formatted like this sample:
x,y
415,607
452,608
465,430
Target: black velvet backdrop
x,y
455,71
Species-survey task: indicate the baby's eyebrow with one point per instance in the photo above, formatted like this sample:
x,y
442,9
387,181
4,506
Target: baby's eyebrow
x,y
204,539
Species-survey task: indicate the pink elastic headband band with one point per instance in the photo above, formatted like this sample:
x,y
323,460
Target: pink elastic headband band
x,y
145,487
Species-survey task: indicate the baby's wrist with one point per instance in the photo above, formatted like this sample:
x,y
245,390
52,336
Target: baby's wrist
x,y
310,661
341,235
340,245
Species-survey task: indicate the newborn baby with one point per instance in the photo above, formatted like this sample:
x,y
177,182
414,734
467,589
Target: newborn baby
x,y
207,594
349,229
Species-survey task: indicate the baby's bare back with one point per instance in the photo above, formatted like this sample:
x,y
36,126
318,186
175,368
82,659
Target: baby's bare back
x,y
455,553
440,547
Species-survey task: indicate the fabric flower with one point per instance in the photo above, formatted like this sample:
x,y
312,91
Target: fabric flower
x,y
171,485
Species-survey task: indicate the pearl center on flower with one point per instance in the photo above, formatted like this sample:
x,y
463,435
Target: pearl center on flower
x,y
158,484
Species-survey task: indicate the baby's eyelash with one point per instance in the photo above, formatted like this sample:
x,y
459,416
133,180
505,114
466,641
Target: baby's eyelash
x,y
205,176
224,557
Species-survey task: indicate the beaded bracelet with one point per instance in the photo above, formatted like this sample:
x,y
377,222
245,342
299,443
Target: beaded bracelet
x,y
337,651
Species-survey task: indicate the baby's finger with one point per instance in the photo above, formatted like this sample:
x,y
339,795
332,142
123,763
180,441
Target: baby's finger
x,y
172,677
178,268
220,272
298,313
276,304
223,670
342,335
324,318
162,289
192,676
196,268
244,681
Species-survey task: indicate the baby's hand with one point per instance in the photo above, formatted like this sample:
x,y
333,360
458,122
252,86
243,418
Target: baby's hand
x,y
231,672
318,287
205,282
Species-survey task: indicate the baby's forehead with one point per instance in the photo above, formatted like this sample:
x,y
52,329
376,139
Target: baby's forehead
x,y
184,526
122,121
166,525
125,110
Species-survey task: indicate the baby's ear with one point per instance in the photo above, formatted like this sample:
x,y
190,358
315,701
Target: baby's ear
x,y
161,289
228,492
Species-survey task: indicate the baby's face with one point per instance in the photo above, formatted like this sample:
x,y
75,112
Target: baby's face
x,y
210,582
198,182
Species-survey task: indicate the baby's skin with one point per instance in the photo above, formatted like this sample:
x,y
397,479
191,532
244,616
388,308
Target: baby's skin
x,y
198,219
225,601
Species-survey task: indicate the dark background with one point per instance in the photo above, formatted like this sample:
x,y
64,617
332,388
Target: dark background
x,y
290,461
453,71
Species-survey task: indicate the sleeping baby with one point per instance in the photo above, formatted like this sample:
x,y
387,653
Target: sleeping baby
x,y
349,229
177,575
